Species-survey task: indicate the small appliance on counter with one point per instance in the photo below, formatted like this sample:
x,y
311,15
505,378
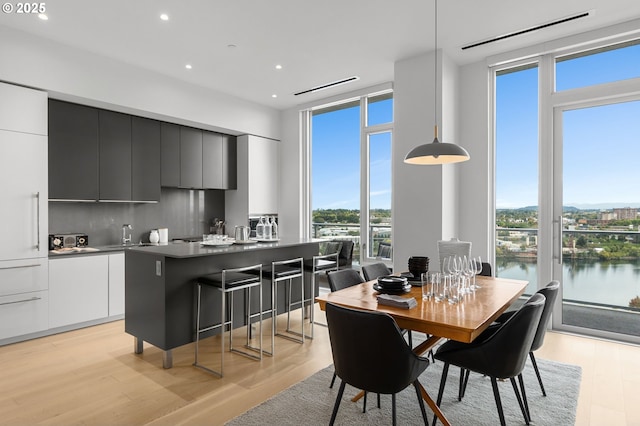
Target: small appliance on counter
x,y
58,241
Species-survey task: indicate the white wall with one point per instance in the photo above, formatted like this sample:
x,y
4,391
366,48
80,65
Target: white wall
x,y
80,76
291,179
417,190
475,200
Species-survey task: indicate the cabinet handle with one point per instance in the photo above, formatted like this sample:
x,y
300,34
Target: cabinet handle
x,y
21,301
20,266
38,221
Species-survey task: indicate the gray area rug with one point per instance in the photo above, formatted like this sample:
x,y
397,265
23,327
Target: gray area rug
x,y
310,402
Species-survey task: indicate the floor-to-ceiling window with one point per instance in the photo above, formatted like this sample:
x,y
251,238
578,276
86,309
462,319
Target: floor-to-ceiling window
x,y
586,216
350,169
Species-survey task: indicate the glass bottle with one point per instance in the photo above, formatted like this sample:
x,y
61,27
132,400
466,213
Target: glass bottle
x,y
267,229
260,229
274,228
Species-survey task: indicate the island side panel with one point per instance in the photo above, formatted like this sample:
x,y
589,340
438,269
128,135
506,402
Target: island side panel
x,y
145,297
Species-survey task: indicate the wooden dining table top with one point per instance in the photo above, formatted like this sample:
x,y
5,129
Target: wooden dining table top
x,y
462,321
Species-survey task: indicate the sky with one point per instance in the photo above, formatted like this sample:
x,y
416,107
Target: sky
x,y
335,154
593,177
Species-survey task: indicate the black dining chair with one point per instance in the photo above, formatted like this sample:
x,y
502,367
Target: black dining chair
x,y
550,293
338,280
359,340
375,270
498,353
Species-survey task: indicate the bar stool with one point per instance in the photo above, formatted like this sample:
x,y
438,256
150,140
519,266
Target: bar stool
x,y
285,271
227,282
317,265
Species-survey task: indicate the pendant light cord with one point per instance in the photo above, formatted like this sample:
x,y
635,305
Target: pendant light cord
x,y
435,74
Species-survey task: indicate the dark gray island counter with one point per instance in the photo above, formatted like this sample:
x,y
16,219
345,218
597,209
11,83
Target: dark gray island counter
x,y
160,284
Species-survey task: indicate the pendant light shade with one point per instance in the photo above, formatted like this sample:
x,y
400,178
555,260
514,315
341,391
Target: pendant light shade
x,y
436,152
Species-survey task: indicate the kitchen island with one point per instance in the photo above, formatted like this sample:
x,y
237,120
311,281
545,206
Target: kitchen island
x,y
160,287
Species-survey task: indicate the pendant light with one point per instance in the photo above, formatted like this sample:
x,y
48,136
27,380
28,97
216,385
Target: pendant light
x,y
436,152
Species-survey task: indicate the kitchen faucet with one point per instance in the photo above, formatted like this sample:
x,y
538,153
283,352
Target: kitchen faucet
x,y
126,233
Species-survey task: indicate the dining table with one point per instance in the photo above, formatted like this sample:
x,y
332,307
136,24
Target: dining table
x,y
463,321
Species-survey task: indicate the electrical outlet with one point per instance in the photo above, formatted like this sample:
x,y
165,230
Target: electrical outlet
x,y
159,268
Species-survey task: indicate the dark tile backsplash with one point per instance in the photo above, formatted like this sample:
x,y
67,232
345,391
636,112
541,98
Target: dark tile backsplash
x,y
185,212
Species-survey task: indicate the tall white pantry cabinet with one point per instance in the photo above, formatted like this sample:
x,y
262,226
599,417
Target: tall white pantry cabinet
x,y
24,211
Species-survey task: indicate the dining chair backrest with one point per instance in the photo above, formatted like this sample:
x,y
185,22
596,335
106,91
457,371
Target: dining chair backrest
x,y
452,247
384,250
343,278
374,271
369,351
486,270
501,354
549,292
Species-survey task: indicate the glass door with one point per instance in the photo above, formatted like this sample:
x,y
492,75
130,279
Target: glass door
x,y
595,206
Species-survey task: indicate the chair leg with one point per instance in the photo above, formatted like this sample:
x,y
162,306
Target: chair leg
x,y
443,381
464,379
393,409
337,404
520,402
410,338
535,367
524,396
496,395
364,402
416,385
333,380
378,400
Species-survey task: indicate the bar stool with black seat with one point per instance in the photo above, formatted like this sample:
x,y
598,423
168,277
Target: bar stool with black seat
x,y
227,282
285,271
323,263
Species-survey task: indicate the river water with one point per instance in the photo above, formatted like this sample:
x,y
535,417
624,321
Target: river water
x,y
609,283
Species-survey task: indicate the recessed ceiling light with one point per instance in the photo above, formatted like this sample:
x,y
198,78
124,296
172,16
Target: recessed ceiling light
x,y
43,16
188,66
278,67
274,96
164,17
231,46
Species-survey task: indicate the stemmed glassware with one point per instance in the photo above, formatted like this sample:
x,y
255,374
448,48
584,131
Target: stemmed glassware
x,y
454,267
477,268
468,269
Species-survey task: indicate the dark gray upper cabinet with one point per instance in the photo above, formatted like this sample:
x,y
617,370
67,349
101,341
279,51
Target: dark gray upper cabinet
x,y
190,157
115,156
145,159
170,154
212,160
229,162
73,151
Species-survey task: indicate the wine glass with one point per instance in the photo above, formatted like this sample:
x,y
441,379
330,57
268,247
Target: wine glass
x,y
468,269
455,268
477,268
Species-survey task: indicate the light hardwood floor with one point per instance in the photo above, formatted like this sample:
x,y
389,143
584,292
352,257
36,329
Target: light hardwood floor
x,y
91,376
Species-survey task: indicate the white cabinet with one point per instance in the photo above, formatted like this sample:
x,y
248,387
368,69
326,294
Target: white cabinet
x,y
23,110
116,284
23,175
23,297
258,169
78,290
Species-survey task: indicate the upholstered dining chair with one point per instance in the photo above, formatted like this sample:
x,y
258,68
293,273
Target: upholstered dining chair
x,y
452,247
498,353
338,280
359,340
375,270
549,292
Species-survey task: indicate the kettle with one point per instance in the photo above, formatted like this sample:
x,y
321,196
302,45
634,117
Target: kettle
x,y
242,233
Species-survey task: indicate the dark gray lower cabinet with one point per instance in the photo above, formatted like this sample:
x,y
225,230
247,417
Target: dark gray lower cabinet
x,y
115,156
73,151
190,157
145,159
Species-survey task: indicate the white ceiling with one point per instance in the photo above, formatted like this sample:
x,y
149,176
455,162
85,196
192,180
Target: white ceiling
x,y
316,42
